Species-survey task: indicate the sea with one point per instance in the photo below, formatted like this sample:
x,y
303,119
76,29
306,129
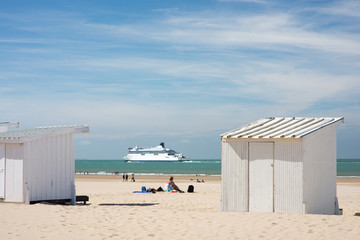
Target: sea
x,y
202,167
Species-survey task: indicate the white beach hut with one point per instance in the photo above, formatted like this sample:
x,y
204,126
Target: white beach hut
x,y
281,165
38,164
4,126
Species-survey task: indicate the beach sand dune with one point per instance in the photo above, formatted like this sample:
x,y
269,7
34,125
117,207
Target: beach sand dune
x,y
115,212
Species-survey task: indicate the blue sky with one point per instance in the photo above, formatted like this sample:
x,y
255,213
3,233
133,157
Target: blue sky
x,y
181,72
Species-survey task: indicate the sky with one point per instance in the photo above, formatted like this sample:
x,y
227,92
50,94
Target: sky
x,y
182,72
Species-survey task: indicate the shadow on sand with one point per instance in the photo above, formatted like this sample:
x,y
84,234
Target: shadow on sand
x,y
129,204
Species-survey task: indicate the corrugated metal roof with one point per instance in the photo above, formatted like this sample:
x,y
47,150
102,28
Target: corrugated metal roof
x,y
20,135
275,127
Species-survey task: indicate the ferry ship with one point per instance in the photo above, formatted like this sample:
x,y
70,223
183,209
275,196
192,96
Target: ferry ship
x,y
154,154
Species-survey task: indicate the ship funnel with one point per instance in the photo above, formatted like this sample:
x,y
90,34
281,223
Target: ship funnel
x,y
162,144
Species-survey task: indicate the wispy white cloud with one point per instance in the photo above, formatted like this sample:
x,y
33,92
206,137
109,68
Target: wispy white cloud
x,y
278,81
348,8
268,31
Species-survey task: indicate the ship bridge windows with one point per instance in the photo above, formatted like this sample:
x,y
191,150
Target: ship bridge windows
x,y
171,152
148,152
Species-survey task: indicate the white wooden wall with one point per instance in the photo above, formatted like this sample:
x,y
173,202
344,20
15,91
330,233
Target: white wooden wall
x,y
50,167
14,181
234,176
272,180
2,170
320,171
288,177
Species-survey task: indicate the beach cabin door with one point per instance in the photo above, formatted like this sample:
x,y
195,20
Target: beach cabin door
x,y
2,170
261,187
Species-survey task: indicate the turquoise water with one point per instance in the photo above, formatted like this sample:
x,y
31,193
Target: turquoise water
x,y
348,167
192,167
345,167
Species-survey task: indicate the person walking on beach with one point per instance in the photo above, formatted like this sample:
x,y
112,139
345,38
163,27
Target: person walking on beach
x,y
172,186
133,178
126,177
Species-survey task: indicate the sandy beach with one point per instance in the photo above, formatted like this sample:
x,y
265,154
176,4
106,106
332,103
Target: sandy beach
x,y
115,212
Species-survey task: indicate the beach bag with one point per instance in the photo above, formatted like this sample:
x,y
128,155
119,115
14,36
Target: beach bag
x,y
143,189
151,190
190,188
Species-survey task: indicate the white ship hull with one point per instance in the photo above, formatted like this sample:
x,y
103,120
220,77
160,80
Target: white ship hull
x,y
152,158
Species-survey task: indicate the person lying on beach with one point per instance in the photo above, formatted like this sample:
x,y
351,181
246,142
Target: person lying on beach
x,y
172,186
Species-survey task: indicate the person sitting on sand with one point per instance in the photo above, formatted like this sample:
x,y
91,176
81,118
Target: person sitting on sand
x,y
172,186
